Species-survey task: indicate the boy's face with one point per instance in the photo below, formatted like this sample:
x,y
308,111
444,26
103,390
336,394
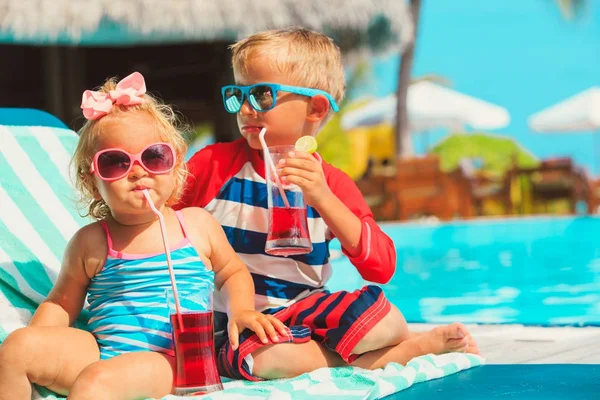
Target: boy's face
x,y
291,118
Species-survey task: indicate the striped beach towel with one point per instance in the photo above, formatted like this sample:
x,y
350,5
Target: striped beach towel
x,y
37,218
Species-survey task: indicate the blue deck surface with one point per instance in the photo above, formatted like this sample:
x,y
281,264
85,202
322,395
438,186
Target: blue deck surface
x,y
531,382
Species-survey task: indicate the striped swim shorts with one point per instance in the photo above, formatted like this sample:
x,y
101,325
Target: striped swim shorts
x,y
337,320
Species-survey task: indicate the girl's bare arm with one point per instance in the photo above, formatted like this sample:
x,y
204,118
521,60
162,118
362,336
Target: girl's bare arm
x,y
235,283
65,300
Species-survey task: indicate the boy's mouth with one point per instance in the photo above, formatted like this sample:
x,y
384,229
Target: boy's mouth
x,y
251,129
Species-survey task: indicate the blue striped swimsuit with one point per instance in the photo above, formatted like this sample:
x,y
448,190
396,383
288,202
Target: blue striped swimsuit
x,y
127,299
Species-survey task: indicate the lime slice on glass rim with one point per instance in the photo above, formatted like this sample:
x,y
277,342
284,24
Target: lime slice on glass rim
x,y
307,144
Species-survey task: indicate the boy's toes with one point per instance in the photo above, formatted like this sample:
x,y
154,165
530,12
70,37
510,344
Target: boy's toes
x,y
454,331
456,344
472,346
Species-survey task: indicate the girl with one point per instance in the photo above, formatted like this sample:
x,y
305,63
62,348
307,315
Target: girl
x,y
130,143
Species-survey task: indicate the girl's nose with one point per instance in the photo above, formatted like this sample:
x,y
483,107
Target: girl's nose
x,y
137,171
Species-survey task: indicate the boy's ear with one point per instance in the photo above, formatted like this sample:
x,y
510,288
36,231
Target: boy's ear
x,y
318,108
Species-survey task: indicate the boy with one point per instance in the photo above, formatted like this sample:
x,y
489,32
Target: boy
x,y
325,329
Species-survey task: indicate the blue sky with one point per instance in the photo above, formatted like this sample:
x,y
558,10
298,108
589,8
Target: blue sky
x,y
520,54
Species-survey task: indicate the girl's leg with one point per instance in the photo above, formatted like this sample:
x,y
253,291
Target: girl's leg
x,y
136,375
48,356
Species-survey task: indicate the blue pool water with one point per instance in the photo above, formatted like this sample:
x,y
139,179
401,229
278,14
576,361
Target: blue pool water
x,y
536,271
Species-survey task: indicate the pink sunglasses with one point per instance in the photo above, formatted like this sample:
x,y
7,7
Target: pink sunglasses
x,y
114,164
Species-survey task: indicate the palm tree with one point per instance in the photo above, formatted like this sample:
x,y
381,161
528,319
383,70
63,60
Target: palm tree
x,y
404,146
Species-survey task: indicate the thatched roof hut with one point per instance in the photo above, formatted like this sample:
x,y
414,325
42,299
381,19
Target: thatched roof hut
x,y
73,36
77,21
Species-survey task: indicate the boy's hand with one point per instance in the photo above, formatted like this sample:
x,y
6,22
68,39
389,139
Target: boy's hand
x,y
260,323
305,171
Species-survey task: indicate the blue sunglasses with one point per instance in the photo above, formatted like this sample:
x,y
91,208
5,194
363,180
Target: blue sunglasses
x,y
263,96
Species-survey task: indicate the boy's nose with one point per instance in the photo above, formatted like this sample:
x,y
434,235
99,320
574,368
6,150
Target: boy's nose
x,y
246,109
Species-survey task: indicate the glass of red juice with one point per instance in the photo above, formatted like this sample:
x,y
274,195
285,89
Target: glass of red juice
x,y
288,224
193,341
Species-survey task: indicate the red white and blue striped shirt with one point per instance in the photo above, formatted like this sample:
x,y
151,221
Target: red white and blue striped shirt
x,y
227,179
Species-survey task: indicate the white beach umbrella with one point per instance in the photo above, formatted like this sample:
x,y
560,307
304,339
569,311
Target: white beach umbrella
x,y
578,113
431,106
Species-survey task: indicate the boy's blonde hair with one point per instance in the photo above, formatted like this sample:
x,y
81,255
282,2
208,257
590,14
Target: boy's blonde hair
x,y
309,58
171,131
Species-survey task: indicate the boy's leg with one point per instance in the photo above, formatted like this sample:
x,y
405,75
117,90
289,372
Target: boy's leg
x,y
240,363
48,356
364,322
390,340
137,375
335,322
391,330
439,340
339,324
273,362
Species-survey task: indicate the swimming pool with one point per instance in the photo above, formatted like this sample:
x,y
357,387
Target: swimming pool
x,y
534,271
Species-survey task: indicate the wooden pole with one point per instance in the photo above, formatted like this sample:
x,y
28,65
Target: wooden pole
x,y
53,82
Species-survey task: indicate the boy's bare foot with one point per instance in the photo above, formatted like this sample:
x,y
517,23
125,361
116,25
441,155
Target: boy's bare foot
x,y
445,339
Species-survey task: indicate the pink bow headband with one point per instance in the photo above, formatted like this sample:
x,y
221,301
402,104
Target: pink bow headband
x,y
128,92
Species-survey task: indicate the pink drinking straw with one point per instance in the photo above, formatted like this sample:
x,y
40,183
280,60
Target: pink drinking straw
x,y
163,230
269,161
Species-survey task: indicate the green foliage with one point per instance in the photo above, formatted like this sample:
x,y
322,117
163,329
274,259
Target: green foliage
x,y
334,144
496,152
377,37
201,130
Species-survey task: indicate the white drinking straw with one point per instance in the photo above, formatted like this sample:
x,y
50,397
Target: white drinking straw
x,y
163,230
269,161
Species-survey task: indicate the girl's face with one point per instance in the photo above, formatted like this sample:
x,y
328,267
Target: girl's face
x,y
124,196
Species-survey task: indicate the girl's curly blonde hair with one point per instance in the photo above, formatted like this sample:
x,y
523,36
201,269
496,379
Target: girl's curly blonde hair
x,y
171,129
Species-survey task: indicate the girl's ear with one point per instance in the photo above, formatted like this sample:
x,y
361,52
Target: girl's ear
x,y
318,108
89,181
96,193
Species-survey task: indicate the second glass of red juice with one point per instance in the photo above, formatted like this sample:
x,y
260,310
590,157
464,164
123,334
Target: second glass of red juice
x,y
193,340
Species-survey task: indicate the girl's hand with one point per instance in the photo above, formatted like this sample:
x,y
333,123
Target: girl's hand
x,y
265,326
305,171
